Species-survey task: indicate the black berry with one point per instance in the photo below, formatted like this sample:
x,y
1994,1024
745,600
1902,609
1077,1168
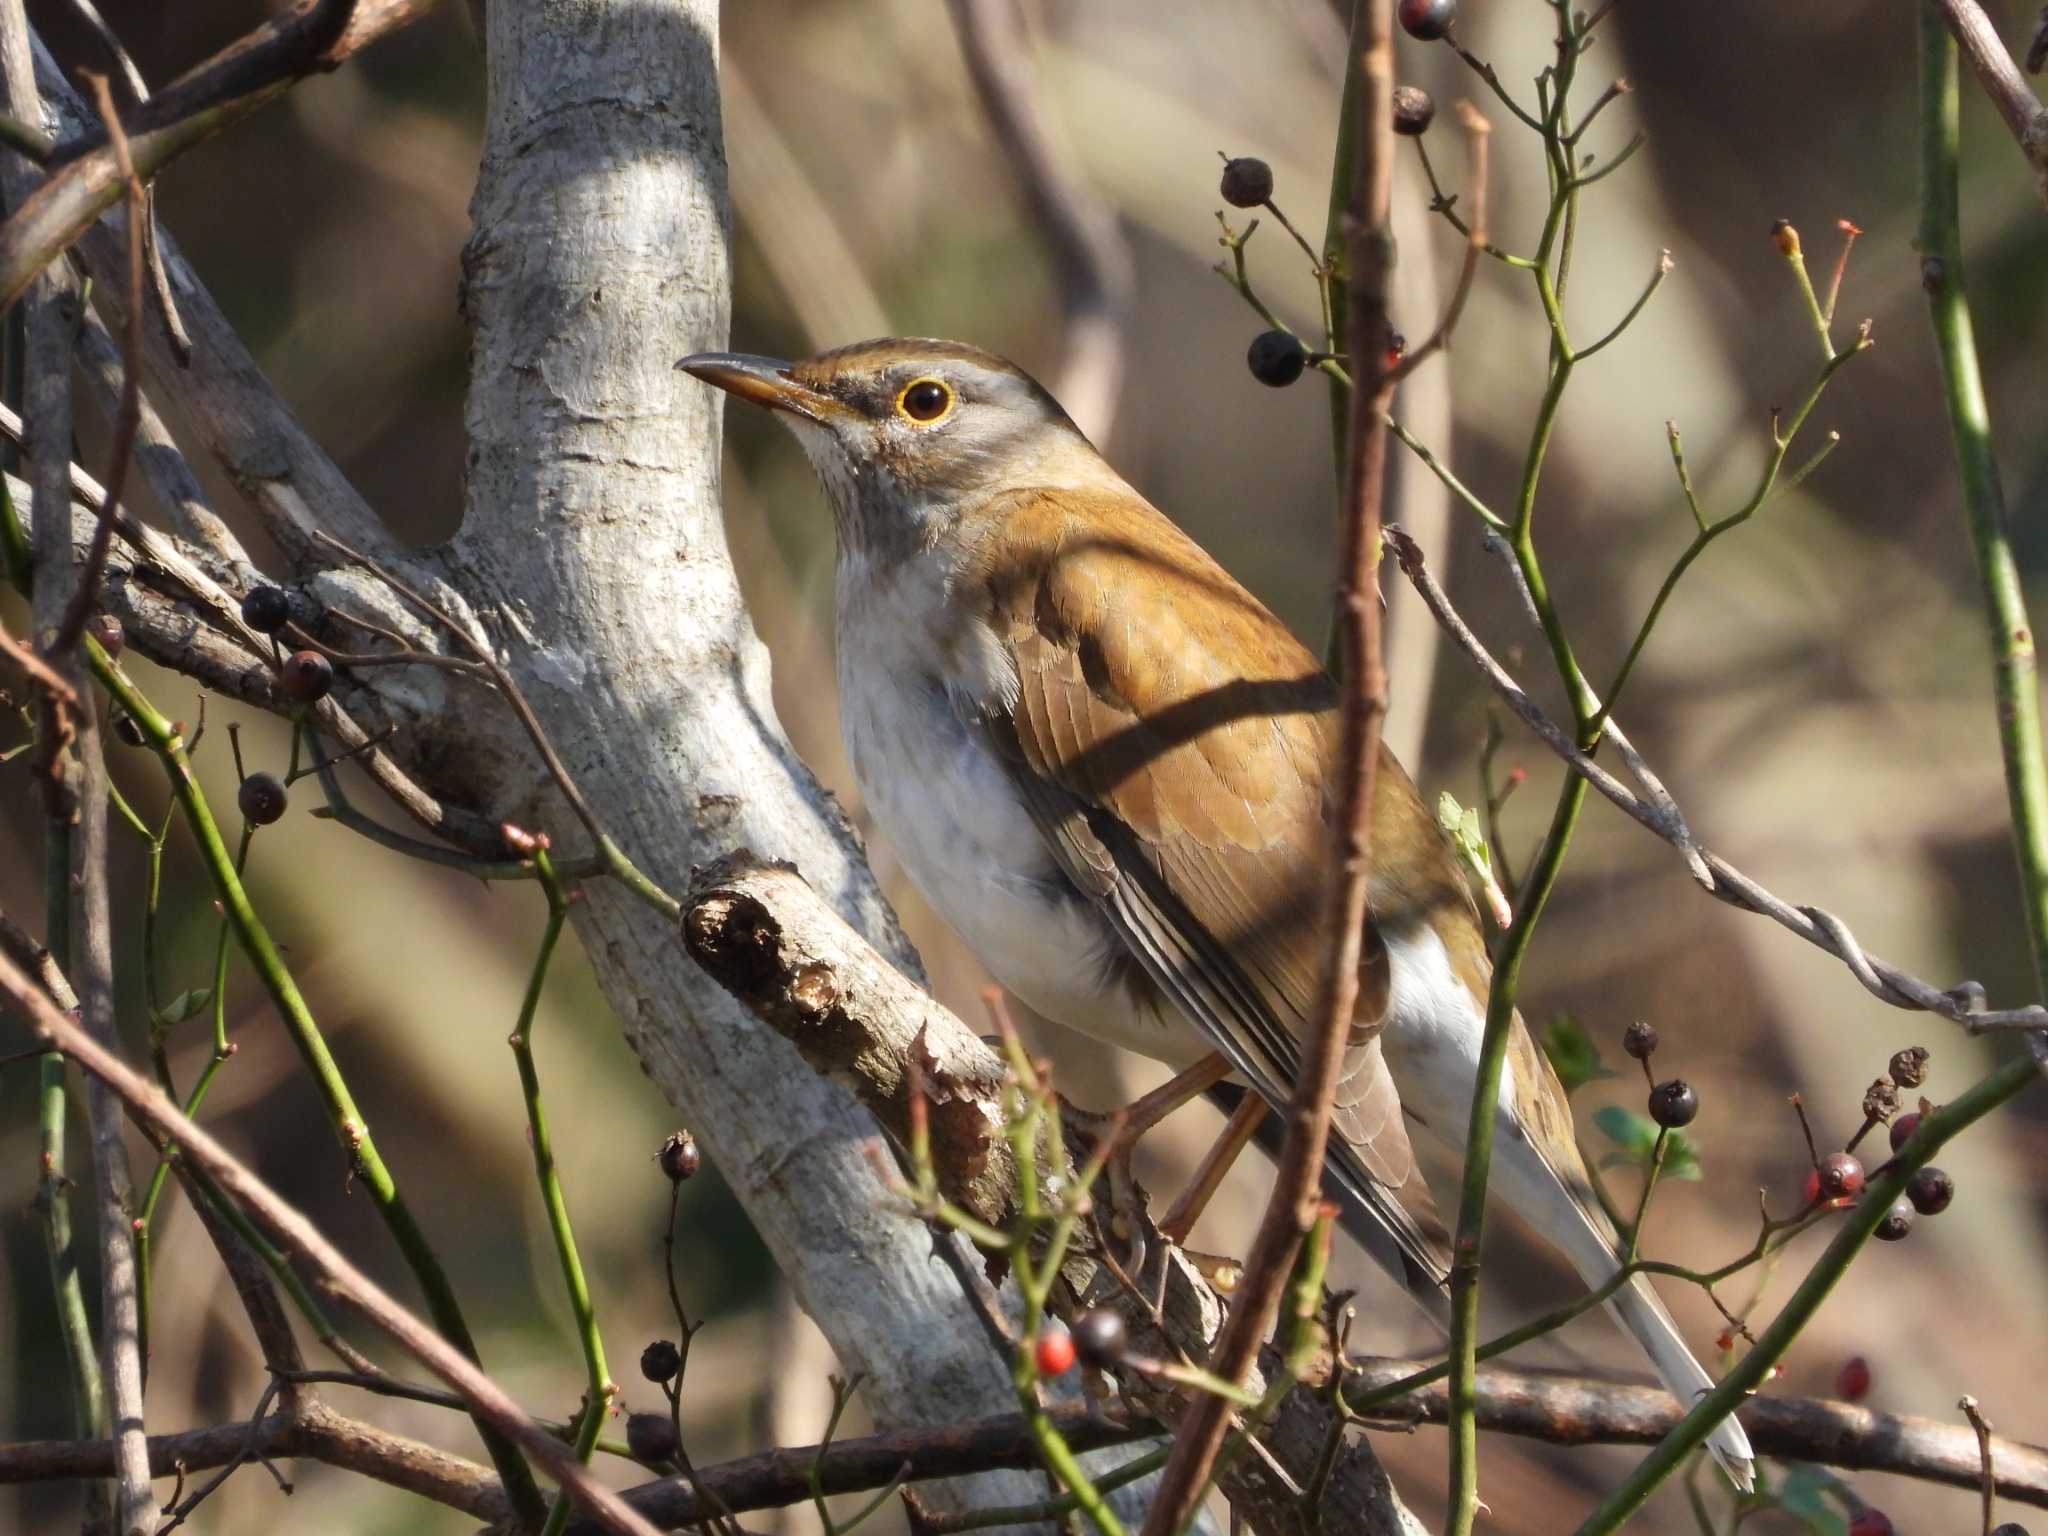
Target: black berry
x,y
307,677
1898,1221
678,1156
1414,110
1673,1103
661,1360
1930,1190
1640,1039
1427,19
126,730
1099,1337
262,798
266,609
1909,1067
2009,1528
1904,1127
650,1437
1276,358
1840,1174
1247,183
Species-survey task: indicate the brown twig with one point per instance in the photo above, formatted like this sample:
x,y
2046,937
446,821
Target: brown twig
x,y
1981,1428
1478,135
1716,875
332,1269
1291,1210
2022,110
129,412
199,104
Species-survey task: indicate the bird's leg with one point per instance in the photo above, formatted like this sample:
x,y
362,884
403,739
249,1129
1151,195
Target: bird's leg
x,y
1149,1109
1216,1162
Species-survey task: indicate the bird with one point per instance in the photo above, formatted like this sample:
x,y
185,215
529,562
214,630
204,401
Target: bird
x,y
1109,767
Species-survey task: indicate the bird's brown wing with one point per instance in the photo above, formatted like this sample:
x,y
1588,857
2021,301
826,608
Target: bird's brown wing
x,y
1174,742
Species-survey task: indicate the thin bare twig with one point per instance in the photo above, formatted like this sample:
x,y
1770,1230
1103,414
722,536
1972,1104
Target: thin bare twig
x,y
129,411
1292,1208
2022,110
1720,879
334,1271
1478,135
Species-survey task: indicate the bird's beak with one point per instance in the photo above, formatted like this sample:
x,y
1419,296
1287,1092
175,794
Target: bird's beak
x,y
763,380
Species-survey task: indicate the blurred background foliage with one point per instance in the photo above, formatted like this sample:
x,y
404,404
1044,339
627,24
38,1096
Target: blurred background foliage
x,y
1818,697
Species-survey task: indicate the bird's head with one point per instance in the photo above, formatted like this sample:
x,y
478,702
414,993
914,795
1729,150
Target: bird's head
x,y
909,435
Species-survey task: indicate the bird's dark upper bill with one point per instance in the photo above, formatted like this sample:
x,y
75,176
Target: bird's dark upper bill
x,y
763,380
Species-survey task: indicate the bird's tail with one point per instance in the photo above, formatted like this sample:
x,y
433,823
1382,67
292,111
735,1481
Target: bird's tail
x,y
1581,1229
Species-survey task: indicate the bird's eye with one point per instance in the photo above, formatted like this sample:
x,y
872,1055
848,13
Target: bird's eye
x,y
924,401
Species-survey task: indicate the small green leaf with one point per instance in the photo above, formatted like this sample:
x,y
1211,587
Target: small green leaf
x,y
1805,1495
1572,1053
185,1005
1635,1140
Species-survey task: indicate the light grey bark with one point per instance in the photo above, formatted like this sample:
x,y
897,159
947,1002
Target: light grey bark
x,y
592,550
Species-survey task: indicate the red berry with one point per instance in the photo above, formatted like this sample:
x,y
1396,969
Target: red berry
x,y
1810,1191
1871,1522
1904,1127
307,676
1427,19
1840,1175
1055,1352
1852,1382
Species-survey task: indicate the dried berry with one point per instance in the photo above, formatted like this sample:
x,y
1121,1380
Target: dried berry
x,y
678,1156
1414,110
1674,1103
266,609
1898,1221
661,1360
1099,1337
1276,358
650,1437
1852,1382
1840,1175
1909,1067
307,677
1427,19
1880,1100
262,798
1054,1352
1930,1190
106,629
1247,183
1640,1039
1904,1127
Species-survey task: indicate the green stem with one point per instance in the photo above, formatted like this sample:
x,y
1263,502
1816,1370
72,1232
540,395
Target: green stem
x,y
1935,1131
53,1186
599,1390
1493,1050
2012,637
1336,286
349,1125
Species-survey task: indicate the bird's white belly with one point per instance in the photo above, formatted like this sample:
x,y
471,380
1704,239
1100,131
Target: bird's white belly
x,y
1433,1035
950,812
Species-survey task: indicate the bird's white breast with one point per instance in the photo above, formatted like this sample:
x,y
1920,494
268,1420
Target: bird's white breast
x,y
951,813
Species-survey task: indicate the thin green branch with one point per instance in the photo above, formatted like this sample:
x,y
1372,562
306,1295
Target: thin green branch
x,y
1656,280
349,1125
1935,1131
2005,612
1782,436
599,1389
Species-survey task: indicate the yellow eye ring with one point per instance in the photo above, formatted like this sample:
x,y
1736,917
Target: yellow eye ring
x,y
925,401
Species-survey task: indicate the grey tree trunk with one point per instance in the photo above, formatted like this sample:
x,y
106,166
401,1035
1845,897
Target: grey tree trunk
x,y
592,552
